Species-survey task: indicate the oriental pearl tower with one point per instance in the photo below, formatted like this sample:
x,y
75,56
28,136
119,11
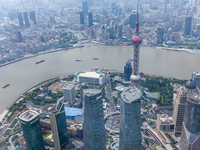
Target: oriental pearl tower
x,y
136,40
130,137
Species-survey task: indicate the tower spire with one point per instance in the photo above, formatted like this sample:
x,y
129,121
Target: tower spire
x,y
137,22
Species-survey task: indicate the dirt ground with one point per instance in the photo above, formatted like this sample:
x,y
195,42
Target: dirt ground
x,y
57,86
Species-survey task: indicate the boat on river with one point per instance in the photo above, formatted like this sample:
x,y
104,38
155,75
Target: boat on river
x,y
39,62
6,86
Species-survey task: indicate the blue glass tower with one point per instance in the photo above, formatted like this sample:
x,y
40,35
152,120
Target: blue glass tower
x,y
94,133
127,71
32,131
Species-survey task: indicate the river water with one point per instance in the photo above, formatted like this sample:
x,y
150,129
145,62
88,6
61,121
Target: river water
x,y
24,74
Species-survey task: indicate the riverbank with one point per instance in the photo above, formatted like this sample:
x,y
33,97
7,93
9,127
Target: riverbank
x,y
34,55
180,50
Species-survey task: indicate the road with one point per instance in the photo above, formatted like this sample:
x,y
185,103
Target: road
x,y
109,94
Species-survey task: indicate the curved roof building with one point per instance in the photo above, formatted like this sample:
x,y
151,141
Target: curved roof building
x,y
71,112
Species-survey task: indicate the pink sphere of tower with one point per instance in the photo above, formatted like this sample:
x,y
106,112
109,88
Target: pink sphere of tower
x,y
136,40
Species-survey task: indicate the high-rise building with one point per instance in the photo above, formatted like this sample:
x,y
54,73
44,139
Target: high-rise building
x,y
128,32
89,19
58,124
19,37
81,17
105,12
52,19
20,19
69,94
188,22
26,19
196,79
32,17
179,105
132,20
127,71
119,31
7,23
130,108
111,33
85,6
190,135
159,35
93,127
32,131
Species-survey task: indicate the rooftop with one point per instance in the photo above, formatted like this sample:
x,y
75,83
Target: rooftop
x,y
91,92
90,75
68,86
28,115
195,98
130,95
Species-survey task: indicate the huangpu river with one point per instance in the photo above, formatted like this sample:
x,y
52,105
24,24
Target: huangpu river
x,y
24,74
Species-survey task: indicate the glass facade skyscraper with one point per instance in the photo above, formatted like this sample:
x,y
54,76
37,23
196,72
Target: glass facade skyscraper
x,y
58,124
32,131
20,19
32,17
130,120
94,133
188,23
190,135
127,71
26,19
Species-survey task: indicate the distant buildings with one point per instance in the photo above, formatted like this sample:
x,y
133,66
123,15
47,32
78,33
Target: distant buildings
x,y
52,19
132,20
81,17
32,17
111,33
119,31
69,94
32,131
85,6
26,19
93,127
127,71
188,25
19,37
159,35
20,19
89,19
91,78
130,120
190,135
58,124
164,123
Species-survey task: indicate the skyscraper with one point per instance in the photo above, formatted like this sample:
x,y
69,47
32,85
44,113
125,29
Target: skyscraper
x,y
85,6
179,105
119,31
132,20
93,127
58,124
127,71
69,94
19,37
111,33
20,19
89,19
26,19
188,22
130,112
190,135
81,17
128,34
159,35
196,79
32,131
32,16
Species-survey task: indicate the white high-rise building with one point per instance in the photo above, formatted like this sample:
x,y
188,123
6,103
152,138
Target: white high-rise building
x,y
7,23
69,94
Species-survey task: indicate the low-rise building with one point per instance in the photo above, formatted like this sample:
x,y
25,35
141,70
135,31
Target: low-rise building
x,y
164,123
91,78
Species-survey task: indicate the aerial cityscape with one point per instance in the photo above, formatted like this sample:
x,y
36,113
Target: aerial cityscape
x,y
100,75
